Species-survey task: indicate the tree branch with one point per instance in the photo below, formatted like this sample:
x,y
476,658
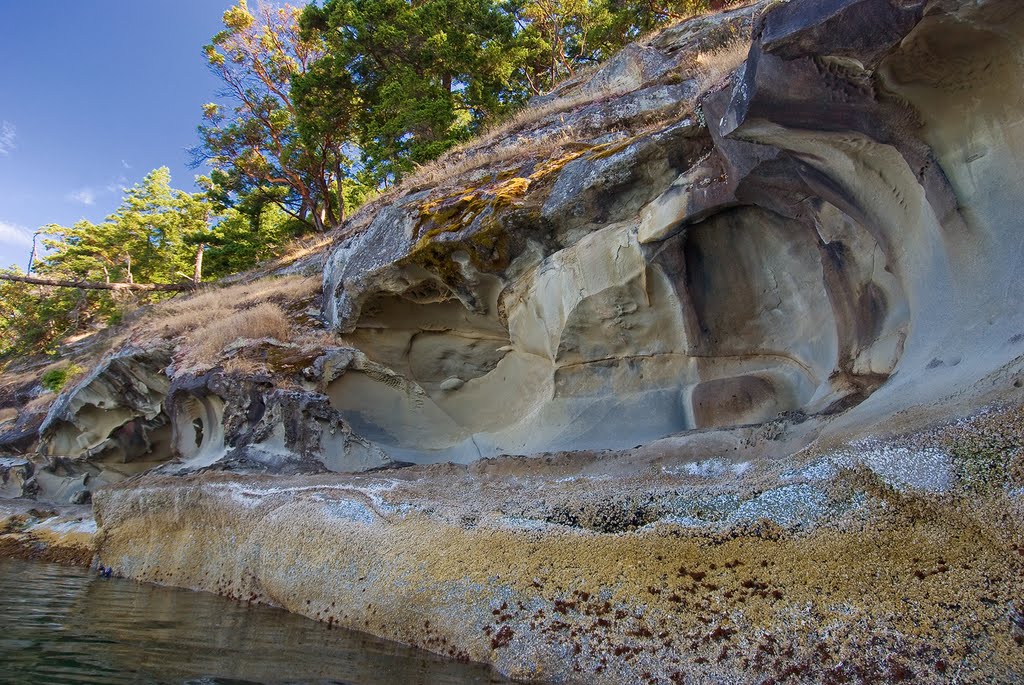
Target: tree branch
x,y
93,285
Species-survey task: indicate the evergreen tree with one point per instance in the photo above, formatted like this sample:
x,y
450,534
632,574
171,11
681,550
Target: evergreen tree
x,y
427,75
151,237
253,140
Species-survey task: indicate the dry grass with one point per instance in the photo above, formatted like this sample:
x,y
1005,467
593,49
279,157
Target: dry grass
x,y
241,365
486,150
181,315
648,37
300,249
13,379
264,320
200,326
16,384
450,170
711,68
204,324
715,65
41,403
317,339
477,153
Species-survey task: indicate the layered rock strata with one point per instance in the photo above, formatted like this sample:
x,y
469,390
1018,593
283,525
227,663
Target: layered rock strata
x,y
64,535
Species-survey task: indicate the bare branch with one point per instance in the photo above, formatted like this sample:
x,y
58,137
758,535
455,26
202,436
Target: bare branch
x,y
93,285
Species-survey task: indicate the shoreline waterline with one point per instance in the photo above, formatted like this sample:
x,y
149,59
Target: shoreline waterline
x,y
64,624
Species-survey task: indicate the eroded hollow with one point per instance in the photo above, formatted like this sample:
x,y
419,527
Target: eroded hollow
x,y
609,343
197,428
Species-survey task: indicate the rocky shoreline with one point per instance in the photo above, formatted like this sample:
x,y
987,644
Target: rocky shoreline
x,y
39,532
558,573
841,565
702,375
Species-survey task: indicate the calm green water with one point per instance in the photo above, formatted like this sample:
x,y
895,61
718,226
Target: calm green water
x,y
64,625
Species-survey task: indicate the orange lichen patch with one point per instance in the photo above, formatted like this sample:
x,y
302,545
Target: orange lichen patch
x,y
553,166
457,211
491,206
609,149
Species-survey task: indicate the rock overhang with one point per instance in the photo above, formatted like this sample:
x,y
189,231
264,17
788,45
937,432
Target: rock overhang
x,y
785,256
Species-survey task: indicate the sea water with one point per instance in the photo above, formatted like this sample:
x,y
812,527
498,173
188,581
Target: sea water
x,y
63,624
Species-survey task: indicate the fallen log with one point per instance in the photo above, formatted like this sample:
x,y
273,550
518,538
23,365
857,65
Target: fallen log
x,y
92,285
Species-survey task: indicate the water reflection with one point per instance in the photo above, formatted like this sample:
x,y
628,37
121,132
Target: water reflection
x,y
63,625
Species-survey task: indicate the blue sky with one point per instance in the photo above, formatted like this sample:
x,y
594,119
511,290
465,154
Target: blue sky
x,y
93,95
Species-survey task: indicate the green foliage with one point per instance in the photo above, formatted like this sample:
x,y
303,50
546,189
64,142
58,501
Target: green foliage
x,y
324,107
255,143
148,239
239,241
151,238
328,105
32,319
425,74
409,80
561,36
54,380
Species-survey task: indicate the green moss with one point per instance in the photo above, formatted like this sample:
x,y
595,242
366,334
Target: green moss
x,y
489,206
54,380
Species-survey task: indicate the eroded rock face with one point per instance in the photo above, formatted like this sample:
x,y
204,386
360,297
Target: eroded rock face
x,y
109,426
803,297
658,565
830,223
127,417
246,424
115,412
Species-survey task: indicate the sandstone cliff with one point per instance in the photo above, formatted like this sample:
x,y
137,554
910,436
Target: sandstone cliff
x,y
747,300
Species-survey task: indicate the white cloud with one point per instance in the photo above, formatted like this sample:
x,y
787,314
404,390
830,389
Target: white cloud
x,y
125,164
84,195
117,186
7,137
13,234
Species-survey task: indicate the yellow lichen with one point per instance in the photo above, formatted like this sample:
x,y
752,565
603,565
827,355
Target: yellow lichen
x,y
905,586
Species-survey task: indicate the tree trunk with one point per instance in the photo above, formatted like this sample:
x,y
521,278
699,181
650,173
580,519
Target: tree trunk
x,y
197,271
32,256
326,212
92,285
317,215
341,189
